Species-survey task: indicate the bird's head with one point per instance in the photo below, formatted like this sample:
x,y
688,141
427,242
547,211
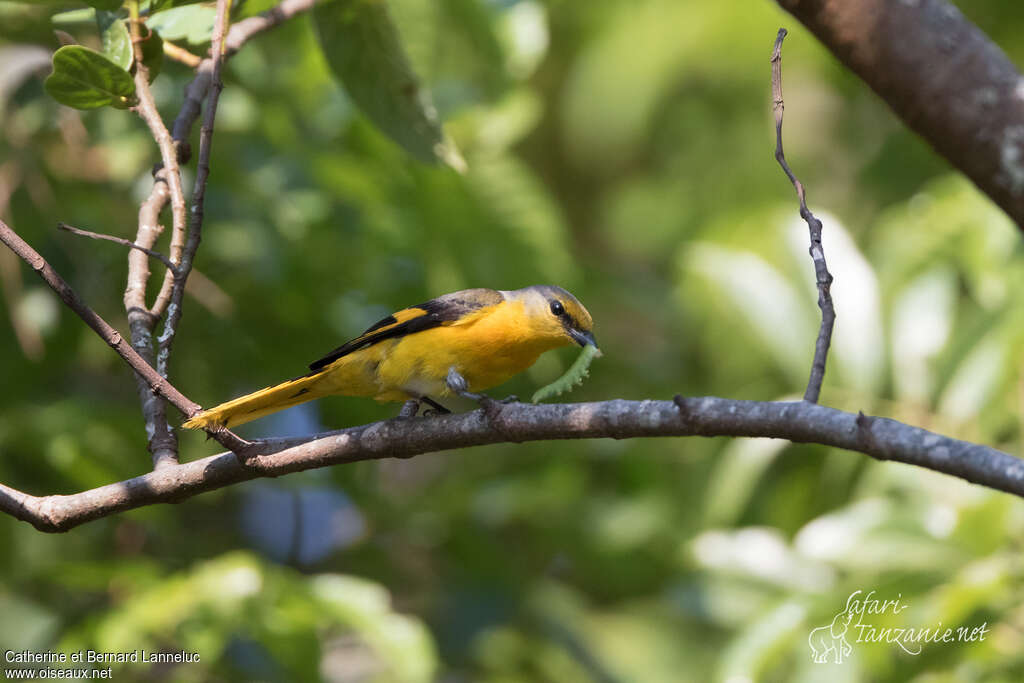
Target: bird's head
x,y
555,314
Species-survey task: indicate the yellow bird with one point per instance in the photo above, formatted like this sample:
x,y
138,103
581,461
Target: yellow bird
x,y
459,343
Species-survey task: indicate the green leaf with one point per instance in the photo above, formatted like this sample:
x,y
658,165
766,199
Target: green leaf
x,y
192,23
117,44
85,79
363,48
108,5
153,53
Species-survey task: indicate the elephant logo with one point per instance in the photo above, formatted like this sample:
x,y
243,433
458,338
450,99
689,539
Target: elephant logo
x,y
831,639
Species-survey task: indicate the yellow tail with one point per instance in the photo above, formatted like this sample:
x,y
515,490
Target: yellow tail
x,y
260,403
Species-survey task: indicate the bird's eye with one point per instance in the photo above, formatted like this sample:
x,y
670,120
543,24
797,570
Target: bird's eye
x,y
557,308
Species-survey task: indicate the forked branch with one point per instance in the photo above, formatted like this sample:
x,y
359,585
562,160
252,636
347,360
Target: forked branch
x,y
407,436
112,337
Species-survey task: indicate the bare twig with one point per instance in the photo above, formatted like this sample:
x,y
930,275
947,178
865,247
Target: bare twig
x,y
93,320
163,444
239,34
196,92
112,337
180,54
195,223
915,54
117,240
142,319
156,201
407,436
138,267
822,276
146,108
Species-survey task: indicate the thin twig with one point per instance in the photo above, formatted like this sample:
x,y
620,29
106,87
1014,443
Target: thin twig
x,y
117,240
142,319
163,297
180,54
196,213
93,320
239,34
196,92
822,276
916,54
171,173
112,337
163,443
408,436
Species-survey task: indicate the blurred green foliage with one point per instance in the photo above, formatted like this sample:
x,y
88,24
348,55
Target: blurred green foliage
x,y
622,150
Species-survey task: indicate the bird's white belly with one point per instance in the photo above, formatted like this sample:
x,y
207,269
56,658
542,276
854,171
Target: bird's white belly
x,y
422,386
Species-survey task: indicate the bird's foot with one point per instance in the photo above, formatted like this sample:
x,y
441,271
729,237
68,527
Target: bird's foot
x,y
435,407
458,385
410,408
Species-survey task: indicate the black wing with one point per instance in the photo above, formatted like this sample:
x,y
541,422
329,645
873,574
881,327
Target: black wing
x,y
433,313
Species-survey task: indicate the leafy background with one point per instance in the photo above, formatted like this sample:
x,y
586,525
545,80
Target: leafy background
x,y
619,149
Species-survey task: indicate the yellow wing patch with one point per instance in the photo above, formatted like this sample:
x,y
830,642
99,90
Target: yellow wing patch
x,y
444,310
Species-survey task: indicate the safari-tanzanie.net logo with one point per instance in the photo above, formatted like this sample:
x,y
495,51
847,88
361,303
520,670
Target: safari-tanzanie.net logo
x,y
857,623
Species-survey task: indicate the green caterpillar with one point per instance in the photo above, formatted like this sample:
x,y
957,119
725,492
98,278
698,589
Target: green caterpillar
x,y
573,376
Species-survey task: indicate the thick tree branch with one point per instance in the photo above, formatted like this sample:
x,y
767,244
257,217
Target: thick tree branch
x,y
404,437
821,275
942,75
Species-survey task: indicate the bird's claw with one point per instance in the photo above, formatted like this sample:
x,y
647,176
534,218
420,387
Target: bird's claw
x,y
435,407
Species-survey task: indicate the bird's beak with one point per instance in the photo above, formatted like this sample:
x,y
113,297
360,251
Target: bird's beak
x,y
582,338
